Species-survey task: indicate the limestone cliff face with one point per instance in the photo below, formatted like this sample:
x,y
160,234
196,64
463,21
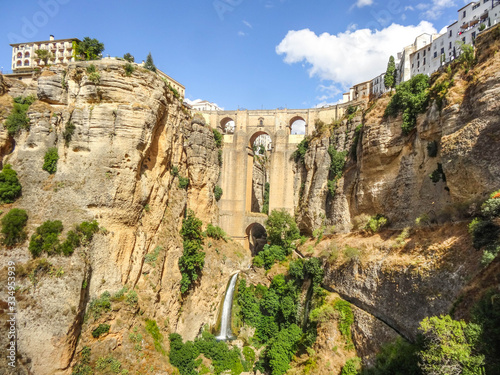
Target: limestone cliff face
x,y
128,134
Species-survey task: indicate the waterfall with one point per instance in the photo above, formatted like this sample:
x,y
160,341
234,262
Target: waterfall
x,y
225,322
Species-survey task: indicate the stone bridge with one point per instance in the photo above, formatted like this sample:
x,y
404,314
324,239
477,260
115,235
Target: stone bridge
x,y
240,129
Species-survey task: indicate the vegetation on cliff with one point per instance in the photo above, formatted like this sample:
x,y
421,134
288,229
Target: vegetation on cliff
x,y
193,259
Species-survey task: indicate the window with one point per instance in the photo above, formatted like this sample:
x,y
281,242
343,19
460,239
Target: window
x,y
27,54
464,14
424,52
435,54
485,1
26,62
463,39
451,33
19,63
418,55
418,64
424,60
442,50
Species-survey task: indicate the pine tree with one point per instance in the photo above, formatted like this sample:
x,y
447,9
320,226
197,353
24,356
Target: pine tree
x,y
390,74
149,63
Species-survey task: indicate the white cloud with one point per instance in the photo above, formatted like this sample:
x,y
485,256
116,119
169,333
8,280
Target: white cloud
x,y
363,3
350,57
248,24
241,33
434,10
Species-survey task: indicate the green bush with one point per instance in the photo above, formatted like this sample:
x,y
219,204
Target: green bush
x,y
91,69
398,357
217,138
217,193
438,174
46,238
215,232
351,252
174,171
150,65
154,331
68,132
132,299
484,232
219,157
100,330
265,203
337,164
183,182
193,259
411,98
94,77
281,229
18,118
83,366
269,255
376,223
283,348
490,253
13,224
449,347
351,367
152,257
10,188
50,160
129,69
100,305
299,154
346,318
490,209
128,57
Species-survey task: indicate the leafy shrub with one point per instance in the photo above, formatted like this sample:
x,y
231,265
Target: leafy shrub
x,y
219,157
484,232
281,229
351,367
265,203
300,153
217,192
411,98
398,357
68,132
351,252
132,299
217,138
154,331
193,259
449,347
337,164
183,182
100,330
346,318
128,57
215,232
129,69
83,366
269,255
46,238
94,77
438,174
376,223
174,171
323,314
490,253
100,305
50,160
422,220
432,149
489,209
91,69
10,188
151,257
18,118
13,224
106,364
283,348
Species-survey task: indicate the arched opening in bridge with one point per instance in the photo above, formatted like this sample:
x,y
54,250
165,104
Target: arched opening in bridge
x,y
257,237
260,147
297,125
227,125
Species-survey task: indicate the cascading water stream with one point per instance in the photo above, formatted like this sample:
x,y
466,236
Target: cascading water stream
x,y
225,323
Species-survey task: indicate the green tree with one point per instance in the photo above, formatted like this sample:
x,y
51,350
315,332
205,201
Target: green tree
x,y
89,49
281,229
13,224
390,74
50,160
128,57
149,64
10,188
449,347
44,55
193,259
283,348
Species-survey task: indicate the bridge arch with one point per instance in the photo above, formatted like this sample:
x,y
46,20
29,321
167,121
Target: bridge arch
x,y
228,125
297,125
257,237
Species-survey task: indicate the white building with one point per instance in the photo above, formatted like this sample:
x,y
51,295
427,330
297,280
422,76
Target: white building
x,y
378,86
25,59
203,105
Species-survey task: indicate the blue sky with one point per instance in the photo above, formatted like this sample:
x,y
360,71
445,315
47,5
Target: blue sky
x,y
240,53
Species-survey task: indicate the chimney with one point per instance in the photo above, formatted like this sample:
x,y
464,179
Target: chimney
x,y
52,37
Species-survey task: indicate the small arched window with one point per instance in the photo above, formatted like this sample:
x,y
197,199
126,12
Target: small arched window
x,y
26,54
26,62
261,121
19,54
19,63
